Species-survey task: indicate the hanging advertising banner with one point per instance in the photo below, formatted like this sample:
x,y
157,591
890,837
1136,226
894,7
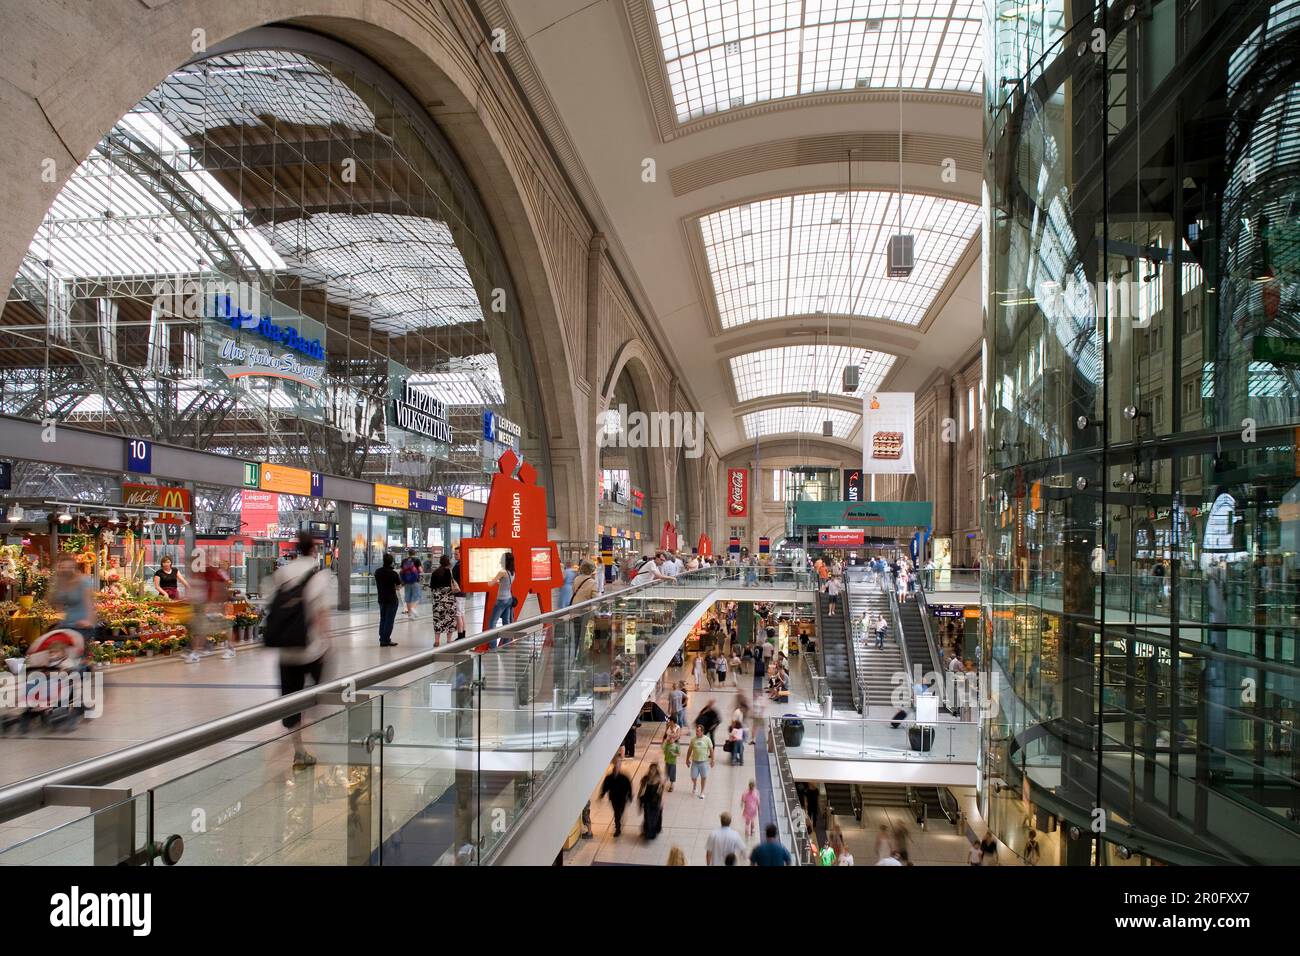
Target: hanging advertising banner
x,y
734,546
638,502
764,545
705,546
173,503
737,492
289,481
259,513
888,433
418,411
852,484
668,539
836,539
515,521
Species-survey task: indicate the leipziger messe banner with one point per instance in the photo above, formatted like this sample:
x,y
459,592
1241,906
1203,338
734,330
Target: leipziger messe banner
x,y
888,433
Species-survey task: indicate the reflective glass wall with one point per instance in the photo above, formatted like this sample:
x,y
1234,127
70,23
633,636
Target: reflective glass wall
x,y
275,255
1142,494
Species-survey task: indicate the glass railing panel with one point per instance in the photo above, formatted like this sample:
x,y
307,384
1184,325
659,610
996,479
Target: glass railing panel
x,y
848,738
112,836
429,813
260,807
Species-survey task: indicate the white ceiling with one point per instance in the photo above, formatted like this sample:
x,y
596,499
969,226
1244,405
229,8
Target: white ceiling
x,y
588,61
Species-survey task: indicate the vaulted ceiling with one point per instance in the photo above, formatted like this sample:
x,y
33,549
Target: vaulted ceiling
x,y
745,162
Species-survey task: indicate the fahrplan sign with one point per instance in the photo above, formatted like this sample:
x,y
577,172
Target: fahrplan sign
x,y
420,412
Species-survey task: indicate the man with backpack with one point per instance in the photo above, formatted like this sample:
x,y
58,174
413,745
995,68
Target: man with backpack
x,y
411,570
297,624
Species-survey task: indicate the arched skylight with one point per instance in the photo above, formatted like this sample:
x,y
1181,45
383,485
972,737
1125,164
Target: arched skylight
x,y
725,54
791,255
795,419
793,369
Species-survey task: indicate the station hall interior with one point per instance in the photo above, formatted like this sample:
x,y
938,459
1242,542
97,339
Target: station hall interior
x,y
650,432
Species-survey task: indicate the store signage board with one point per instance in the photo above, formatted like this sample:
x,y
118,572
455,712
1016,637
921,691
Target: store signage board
x,y
500,430
737,492
172,504
834,538
418,411
254,361
638,502
139,457
852,484
515,519
225,310
390,496
285,480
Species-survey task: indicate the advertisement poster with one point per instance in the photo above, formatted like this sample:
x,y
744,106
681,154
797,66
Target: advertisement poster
x,y
852,484
737,492
259,513
888,433
541,558
942,560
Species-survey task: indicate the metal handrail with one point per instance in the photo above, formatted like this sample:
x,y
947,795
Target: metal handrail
x,y
898,634
855,684
29,795
924,607
789,798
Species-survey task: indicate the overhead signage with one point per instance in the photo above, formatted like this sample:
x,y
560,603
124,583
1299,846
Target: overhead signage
x,y
863,514
285,336
737,492
501,431
139,457
252,474
852,484
950,610
970,612
259,513
289,481
317,485
258,362
390,496
456,507
171,503
888,433
515,519
638,502
419,412
427,501
835,538
1275,349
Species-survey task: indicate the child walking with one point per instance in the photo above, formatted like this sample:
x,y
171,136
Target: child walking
x,y
749,808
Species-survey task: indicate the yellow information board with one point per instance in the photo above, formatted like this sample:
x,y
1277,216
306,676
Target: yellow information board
x,y
390,496
289,481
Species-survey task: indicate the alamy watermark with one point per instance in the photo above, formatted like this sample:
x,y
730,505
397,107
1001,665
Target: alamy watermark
x,y
620,428
39,691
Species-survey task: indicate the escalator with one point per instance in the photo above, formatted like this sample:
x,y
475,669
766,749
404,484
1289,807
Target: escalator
x,y
833,642
840,800
914,637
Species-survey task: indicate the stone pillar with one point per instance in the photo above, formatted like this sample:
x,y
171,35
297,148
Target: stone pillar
x,y
343,566
944,522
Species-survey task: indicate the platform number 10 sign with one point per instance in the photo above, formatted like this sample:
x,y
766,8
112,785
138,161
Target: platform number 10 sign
x,y
139,456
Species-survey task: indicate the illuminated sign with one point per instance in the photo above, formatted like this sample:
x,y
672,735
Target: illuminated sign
x,y
840,537
282,335
390,496
289,481
852,484
420,412
501,431
173,504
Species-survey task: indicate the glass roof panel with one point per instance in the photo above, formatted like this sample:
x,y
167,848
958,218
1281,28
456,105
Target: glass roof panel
x,y
466,380
793,419
793,369
724,54
822,253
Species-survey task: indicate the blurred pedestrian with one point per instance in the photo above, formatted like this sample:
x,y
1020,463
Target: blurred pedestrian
x,y
651,796
749,809
671,751
618,788
770,852
676,857
723,841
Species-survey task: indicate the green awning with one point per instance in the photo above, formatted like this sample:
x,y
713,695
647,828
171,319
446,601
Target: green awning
x,y
863,514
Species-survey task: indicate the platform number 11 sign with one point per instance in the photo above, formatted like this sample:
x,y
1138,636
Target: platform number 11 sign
x,y
139,456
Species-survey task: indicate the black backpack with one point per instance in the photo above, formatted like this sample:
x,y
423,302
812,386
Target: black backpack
x,y
286,621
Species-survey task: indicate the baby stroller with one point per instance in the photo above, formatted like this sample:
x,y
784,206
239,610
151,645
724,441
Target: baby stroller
x,y
51,682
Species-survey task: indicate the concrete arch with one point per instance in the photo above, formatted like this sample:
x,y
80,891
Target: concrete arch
x,y
59,110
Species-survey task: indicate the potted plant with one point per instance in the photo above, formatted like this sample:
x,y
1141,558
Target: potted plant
x,y
13,657
151,646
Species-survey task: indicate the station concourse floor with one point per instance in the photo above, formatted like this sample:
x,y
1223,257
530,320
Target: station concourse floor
x,y
157,697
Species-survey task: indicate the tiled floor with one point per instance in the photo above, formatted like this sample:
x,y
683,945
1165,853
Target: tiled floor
x,y
939,844
688,820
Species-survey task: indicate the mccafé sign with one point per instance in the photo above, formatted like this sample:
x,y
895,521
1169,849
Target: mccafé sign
x,y
737,492
172,504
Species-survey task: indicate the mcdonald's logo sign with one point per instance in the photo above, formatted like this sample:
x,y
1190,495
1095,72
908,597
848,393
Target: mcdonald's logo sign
x,y
172,503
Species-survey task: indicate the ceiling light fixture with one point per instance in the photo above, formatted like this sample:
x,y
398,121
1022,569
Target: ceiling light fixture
x,y
902,246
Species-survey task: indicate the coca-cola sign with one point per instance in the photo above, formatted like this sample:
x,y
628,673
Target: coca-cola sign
x,y
737,492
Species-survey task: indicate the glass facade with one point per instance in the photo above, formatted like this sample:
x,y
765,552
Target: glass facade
x,y
1142,400
276,256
